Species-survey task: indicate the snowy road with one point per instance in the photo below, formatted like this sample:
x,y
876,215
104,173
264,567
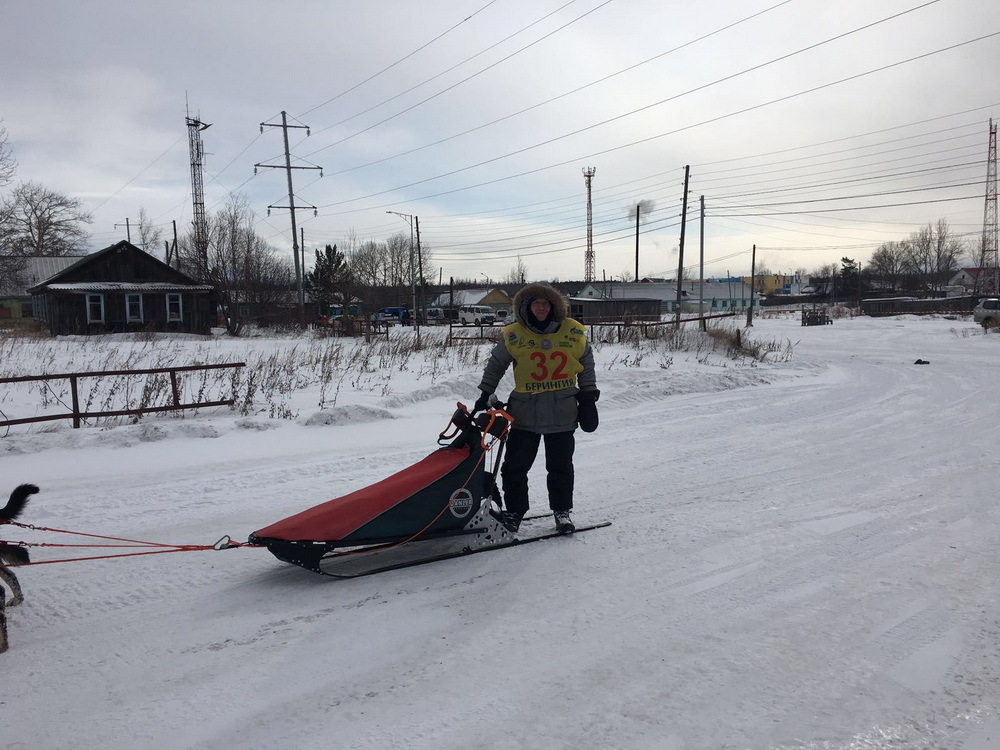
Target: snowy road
x,y
810,562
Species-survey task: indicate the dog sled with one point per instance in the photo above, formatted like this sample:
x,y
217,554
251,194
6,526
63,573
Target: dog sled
x,y
446,505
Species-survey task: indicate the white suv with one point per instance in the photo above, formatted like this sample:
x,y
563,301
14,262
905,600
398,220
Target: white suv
x,y
477,315
987,312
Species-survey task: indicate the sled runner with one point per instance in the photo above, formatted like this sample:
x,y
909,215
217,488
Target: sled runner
x,y
446,505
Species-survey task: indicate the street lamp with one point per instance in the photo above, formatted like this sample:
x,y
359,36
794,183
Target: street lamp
x,y
408,218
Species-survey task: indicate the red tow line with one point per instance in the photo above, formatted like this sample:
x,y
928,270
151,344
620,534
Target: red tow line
x,y
158,548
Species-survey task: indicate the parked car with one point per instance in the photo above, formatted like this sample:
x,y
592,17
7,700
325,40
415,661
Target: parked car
x,y
390,313
479,315
434,316
987,312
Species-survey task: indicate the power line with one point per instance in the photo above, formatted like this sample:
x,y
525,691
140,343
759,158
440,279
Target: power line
x,y
560,96
649,139
373,76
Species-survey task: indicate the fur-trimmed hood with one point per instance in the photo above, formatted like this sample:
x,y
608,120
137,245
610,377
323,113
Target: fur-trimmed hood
x,y
524,298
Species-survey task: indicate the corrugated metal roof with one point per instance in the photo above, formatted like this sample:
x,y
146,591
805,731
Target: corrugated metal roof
x,y
462,297
666,291
114,286
38,268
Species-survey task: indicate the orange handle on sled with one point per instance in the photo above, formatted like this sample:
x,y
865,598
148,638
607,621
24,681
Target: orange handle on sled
x,y
495,429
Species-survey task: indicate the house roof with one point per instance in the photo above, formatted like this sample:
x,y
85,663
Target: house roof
x,y
182,281
665,290
116,286
461,297
38,268
974,272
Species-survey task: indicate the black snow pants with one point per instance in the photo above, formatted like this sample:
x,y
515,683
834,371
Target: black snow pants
x,y
522,447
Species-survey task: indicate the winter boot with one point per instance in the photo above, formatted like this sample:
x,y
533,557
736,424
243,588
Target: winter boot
x,y
511,520
564,524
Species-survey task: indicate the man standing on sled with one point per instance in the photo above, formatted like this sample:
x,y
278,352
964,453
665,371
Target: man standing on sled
x,y
555,387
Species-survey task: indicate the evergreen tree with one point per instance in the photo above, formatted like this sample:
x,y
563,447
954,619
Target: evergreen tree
x,y
330,282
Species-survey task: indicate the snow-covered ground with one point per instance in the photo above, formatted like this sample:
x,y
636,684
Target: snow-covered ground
x,y
804,554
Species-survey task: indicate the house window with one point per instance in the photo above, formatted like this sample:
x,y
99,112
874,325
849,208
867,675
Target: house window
x,y
95,308
133,308
174,307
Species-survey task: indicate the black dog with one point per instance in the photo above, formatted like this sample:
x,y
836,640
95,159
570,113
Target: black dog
x,y
12,554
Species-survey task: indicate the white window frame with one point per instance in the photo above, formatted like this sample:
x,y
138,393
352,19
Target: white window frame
x,y
174,299
93,299
129,300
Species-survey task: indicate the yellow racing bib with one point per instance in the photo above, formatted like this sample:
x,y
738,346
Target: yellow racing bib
x,y
546,362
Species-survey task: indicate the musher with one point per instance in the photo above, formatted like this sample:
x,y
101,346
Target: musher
x,y
555,388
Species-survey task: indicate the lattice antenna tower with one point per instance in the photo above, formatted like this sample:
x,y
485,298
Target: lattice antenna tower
x,y
991,257
588,258
200,223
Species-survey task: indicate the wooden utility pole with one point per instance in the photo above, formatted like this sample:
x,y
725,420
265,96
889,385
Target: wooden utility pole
x,y
753,284
637,206
171,250
701,267
128,231
680,254
420,280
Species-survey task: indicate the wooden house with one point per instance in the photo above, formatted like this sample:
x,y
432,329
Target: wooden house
x,y
121,288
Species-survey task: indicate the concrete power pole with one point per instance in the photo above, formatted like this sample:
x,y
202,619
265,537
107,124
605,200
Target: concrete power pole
x,y
990,248
588,258
291,203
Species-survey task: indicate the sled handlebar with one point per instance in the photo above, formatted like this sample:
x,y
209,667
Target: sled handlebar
x,y
495,429
460,420
494,422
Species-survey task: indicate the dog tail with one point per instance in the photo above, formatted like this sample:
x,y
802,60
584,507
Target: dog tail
x,y
18,500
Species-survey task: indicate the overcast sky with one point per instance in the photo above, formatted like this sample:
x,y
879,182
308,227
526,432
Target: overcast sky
x,y
814,130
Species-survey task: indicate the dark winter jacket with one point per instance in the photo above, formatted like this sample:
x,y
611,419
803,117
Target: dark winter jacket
x,y
556,347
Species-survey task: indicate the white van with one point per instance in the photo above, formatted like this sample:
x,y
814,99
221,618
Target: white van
x,y
479,315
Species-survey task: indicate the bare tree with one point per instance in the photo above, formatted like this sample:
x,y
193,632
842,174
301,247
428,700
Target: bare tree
x,y
888,263
8,166
920,252
516,276
150,235
948,249
400,262
37,221
933,253
253,279
367,263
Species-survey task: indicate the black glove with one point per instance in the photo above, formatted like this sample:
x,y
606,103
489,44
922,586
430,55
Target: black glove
x,y
482,402
586,412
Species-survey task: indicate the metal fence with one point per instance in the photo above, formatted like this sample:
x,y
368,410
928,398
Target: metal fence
x,y
77,415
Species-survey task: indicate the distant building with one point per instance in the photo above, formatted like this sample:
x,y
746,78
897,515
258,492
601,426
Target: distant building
x,y
718,296
494,297
976,280
121,288
22,273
